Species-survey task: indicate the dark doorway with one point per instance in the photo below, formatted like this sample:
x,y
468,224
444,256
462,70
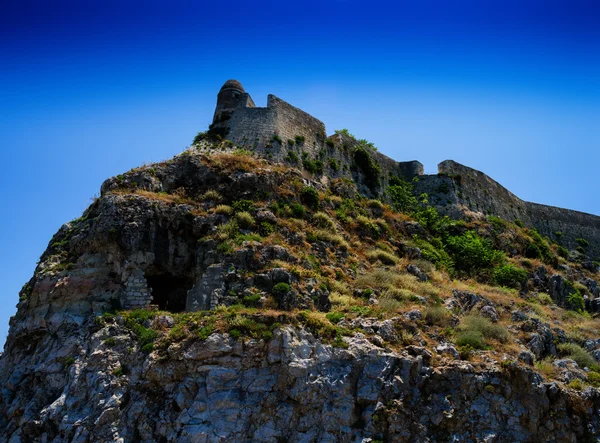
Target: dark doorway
x,y
169,292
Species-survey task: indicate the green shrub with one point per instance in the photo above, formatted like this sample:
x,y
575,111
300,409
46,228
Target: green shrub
x,y
244,326
292,157
577,353
472,254
251,300
199,137
333,164
334,317
299,139
298,211
330,143
228,230
323,220
310,197
544,299
291,142
485,327
281,289
539,248
437,315
244,220
575,300
472,339
562,251
593,378
509,275
401,195
313,166
134,320
276,138
577,384
582,242
265,229
243,206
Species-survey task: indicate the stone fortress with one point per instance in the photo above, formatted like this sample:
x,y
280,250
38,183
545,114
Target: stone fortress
x,y
282,132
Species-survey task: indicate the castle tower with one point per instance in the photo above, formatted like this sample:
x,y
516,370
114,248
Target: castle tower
x,y
230,97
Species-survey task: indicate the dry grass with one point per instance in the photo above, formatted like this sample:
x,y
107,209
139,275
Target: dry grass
x,y
224,210
176,198
322,220
343,302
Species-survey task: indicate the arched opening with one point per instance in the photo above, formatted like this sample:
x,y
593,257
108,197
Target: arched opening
x,y
169,292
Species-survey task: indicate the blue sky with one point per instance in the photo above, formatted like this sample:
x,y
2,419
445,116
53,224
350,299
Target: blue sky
x,y
92,89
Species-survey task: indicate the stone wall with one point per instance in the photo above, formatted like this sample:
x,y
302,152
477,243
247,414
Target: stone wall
x,y
136,293
459,190
565,226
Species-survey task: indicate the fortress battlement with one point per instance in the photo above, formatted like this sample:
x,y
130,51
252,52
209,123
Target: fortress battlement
x,y
282,132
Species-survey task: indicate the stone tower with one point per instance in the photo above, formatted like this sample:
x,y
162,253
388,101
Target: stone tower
x,y
230,97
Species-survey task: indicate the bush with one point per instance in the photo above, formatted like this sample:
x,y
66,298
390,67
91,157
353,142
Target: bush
x,y
310,197
333,164
334,317
292,157
575,300
472,339
281,289
211,195
313,166
298,211
582,242
402,197
251,300
134,320
509,275
199,137
227,230
330,237
437,315
472,254
576,384
224,210
265,229
577,353
244,220
384,257
544,299
299,139
323,220
485,327
243,206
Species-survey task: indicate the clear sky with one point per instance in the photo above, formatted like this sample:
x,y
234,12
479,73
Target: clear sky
x,y
90,89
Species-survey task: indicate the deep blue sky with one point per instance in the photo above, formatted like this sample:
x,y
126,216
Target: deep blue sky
x,y
91,89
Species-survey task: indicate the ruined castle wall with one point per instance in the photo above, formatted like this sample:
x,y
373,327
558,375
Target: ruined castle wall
x,y
291,122
459,190
252,127
550,220
479,193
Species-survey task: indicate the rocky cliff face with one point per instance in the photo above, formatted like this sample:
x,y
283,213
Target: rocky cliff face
x,y
218,297
290,388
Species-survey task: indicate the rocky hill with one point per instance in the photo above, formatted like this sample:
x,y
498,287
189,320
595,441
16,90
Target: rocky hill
x,y
221,296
